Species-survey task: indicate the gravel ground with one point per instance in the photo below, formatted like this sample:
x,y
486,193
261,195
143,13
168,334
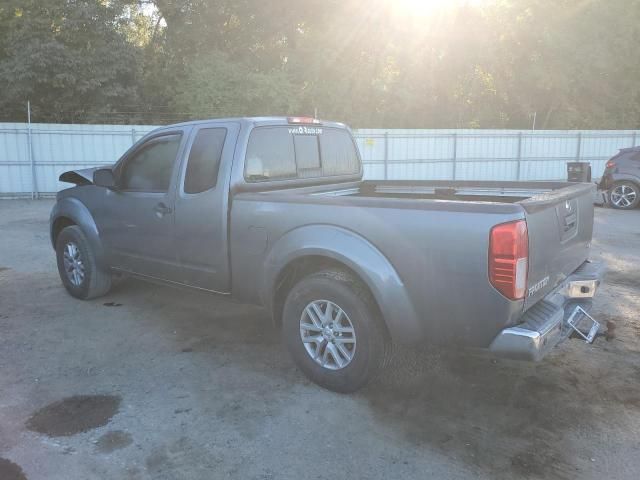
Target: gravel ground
x,y
156,383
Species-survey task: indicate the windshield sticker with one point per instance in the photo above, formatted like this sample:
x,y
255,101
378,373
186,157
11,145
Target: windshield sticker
x,y
302,130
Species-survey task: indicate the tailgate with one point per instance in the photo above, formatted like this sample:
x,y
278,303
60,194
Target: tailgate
x,y
560,225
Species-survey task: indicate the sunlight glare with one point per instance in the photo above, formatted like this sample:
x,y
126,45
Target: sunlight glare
x,y
426,7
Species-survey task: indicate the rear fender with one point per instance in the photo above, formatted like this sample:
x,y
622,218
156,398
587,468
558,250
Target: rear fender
x,y
359,255
622,177
78,213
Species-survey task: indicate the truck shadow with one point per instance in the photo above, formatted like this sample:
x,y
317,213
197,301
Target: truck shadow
x,y
506,419
501,419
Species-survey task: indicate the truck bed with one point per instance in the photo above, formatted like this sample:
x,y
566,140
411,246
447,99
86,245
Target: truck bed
x,y
435,235
465,191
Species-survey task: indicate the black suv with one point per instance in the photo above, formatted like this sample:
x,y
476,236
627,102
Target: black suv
x,y
621,179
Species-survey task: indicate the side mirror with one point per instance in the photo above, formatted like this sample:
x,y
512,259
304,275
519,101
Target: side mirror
x,y
103,177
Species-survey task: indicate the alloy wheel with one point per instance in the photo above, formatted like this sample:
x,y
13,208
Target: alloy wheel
x,y
623,196
328,334
73,264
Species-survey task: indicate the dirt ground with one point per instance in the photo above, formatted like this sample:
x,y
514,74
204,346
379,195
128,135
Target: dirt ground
x,y
156,383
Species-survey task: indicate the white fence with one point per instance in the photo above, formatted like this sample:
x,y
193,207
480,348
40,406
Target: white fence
x,y
32,157
487,154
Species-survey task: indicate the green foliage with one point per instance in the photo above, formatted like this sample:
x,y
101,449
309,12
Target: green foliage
x,y
69,57
489,65
214,86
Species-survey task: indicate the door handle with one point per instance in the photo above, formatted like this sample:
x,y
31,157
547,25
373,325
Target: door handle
x,y
161,209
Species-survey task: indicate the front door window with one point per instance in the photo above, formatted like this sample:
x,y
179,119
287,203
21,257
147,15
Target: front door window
x,y
149,169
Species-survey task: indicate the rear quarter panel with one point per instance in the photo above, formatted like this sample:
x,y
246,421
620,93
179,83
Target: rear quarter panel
x,y
438,249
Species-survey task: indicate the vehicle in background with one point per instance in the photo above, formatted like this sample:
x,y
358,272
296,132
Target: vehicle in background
x,y
274,212
621,179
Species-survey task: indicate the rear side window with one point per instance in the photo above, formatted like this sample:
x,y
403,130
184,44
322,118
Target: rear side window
x,y
149,168
270,155
338,153
282,153
204,160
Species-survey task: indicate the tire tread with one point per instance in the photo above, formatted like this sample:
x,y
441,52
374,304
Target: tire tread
x,y
376,330
99,279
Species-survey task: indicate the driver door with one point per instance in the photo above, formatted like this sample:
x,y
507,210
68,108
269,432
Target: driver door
x,y
138,221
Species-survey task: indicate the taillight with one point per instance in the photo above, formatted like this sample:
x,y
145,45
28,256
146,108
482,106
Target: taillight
x,y
610,164
509,258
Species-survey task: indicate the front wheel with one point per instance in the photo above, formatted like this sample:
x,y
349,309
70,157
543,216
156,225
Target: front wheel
x,y
77,265
624,195
333,331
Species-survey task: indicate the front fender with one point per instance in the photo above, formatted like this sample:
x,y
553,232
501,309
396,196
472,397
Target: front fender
x,y
78,213
360,256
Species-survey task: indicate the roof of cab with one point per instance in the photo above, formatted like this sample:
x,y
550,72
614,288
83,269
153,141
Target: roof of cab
x,y
256,121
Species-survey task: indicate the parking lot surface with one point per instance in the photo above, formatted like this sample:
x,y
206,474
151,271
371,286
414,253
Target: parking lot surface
x,y
152,382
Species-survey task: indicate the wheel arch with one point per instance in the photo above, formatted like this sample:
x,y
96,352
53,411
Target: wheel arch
x,y
624,177
300,268
318,247
71,211
59,224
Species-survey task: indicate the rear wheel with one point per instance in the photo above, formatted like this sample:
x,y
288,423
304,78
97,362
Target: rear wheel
x,y
333,331
77,265
624,195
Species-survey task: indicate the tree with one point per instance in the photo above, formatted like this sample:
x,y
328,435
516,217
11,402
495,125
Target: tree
x,y
371,64
70,58
215,86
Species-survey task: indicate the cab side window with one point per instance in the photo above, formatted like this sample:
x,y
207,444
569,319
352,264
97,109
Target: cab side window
x,y
204,160
149,168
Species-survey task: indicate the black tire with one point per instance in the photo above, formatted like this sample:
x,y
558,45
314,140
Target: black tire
x,y
372,345
631,192
96,282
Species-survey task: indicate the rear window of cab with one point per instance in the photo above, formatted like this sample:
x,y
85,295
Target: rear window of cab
x,y
296,152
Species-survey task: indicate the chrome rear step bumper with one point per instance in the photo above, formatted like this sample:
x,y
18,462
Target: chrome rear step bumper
x,y
547,323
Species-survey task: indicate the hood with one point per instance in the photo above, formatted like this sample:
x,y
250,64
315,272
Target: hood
x,y
79,177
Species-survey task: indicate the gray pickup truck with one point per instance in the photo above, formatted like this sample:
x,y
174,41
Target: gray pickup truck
x,y
274,212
